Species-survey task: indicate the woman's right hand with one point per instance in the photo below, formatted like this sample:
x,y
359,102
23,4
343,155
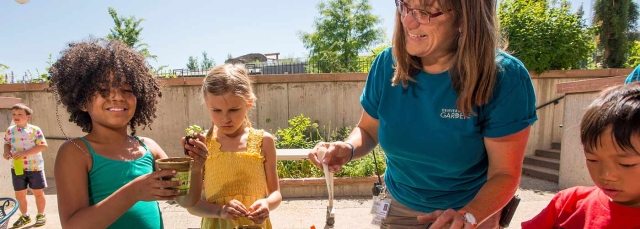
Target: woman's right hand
x,y
337,155
149,187
234,209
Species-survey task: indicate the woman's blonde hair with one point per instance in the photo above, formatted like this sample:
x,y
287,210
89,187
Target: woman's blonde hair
x,y
473,71
228,78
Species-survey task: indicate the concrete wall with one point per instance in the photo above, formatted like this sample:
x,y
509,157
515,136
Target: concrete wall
x,y
579,95
547,129
573,167
6,189
331,100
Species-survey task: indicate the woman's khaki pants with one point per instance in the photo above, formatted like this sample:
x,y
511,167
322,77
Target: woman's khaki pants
x,y
403,217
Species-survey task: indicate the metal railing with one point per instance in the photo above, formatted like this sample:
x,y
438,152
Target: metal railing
x,y
553,101
276,68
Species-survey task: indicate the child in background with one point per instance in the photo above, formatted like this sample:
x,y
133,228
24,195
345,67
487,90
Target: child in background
x,y
240,178
106,178
610,134
24,144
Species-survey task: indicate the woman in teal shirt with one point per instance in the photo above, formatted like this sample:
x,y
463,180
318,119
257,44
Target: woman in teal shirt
x,y
452,113
634,76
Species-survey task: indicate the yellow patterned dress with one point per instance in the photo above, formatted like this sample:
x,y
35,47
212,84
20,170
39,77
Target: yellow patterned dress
x,y
235,175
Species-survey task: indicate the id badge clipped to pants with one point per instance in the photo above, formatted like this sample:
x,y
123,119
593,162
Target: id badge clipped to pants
x,y
381,204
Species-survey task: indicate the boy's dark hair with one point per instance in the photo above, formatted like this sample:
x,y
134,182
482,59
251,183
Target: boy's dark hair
x,y
618,107
21,106
85,67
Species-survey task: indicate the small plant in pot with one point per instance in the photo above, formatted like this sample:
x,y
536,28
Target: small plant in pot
x,y
191,134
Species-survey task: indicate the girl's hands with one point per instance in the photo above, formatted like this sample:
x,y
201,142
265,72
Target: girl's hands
x,y
197,150
234,209
259,211
149,187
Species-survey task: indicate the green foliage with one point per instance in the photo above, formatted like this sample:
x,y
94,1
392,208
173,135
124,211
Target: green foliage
x,y
40,77
343,29
193,130
364,167
290,59
3,76
192,64
127,30
161,73
166,75
615,25
368,60
206,63
303,134
634,55
545,36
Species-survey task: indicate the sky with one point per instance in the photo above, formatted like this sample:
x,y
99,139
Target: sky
x,y
174,30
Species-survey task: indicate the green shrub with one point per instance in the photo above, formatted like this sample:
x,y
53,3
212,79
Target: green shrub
x,y
302,134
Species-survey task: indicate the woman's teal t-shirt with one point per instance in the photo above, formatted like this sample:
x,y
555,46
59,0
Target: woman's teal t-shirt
x,y
436,157
634,76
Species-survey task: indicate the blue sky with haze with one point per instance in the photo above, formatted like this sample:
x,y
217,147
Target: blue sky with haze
x,y
174,30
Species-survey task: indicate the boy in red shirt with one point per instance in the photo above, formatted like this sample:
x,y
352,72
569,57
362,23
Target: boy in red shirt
x,y
610,134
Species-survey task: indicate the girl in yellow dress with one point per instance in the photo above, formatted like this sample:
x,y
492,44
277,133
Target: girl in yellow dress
x,y
240,179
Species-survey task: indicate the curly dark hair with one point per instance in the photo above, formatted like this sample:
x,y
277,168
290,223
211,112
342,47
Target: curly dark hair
x,y
85,67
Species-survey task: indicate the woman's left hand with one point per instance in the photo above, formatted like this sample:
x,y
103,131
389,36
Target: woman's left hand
x,y
449,219
259,211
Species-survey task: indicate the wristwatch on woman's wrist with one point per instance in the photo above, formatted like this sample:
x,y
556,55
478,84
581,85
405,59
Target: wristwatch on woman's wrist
x,y
469,217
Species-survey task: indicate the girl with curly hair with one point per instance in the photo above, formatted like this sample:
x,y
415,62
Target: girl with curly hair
x,y
105,179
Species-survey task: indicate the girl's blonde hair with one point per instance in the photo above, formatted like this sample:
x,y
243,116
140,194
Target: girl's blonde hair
x,y
228,78
473,71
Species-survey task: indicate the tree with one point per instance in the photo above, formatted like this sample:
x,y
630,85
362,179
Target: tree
x,y
127,30
615,22
634,55
545,35
192,64
206,63
343,29
366,61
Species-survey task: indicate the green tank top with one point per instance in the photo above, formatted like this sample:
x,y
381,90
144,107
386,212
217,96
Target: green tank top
x,y
108,175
